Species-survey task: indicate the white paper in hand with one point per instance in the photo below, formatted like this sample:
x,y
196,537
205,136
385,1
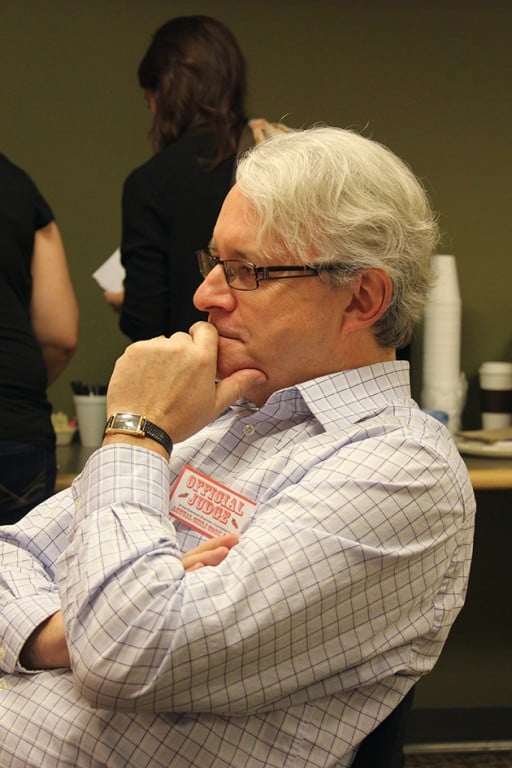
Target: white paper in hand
x,y
110,274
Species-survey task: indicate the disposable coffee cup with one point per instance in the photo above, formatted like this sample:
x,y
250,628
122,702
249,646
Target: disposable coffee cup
x,y
91,417
496,394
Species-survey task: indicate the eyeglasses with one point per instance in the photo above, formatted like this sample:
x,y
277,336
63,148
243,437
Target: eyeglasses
x,y
244,275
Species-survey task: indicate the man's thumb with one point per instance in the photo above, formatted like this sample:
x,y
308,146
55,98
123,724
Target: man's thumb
x,y
237,385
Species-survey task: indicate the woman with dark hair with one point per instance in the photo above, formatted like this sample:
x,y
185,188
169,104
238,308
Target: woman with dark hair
x,y
194,80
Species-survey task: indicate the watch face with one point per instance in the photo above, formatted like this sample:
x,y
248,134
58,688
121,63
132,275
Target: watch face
x,y
127,421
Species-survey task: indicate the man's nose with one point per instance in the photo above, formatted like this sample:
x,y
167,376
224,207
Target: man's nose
x,y
214,291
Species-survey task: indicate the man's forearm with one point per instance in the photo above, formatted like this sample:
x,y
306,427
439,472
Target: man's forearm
x,y
46,647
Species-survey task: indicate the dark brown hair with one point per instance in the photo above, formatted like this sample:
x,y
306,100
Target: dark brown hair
x,y
196,71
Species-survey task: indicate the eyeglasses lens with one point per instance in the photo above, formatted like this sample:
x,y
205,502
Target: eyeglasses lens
x,y
238,274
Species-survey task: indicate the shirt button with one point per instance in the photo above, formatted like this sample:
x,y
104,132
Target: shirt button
x,y
249,430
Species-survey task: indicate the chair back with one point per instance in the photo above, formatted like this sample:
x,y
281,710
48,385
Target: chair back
x,y
383,747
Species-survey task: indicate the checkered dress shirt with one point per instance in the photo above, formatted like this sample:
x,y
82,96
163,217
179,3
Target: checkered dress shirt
x,y
339,596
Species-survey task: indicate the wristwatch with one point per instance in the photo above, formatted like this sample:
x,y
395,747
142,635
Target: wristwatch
x,y
138,426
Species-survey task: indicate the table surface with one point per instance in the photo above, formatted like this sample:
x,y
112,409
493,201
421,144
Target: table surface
x,y
489,473
485,473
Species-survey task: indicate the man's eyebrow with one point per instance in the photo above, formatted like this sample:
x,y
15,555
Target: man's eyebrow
x,y
212,247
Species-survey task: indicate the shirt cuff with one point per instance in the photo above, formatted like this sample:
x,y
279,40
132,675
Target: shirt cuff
x,y
121,473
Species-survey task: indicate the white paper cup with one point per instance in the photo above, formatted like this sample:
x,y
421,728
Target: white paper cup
x,y
496,394
91,416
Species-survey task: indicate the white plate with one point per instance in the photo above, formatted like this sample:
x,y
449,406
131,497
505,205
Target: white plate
x,y
501,450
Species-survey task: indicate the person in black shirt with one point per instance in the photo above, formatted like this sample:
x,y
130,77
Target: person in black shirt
x,y
38,335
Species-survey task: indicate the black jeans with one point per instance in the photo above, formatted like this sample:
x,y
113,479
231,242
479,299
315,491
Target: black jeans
x,y
27,477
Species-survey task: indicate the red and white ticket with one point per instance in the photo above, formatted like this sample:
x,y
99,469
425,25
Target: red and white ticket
x,y
207,506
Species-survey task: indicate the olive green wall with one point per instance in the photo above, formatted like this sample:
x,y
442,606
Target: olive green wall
x,y
431,79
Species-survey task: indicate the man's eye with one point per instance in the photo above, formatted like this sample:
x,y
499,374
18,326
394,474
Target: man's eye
x,y
245,274
244,270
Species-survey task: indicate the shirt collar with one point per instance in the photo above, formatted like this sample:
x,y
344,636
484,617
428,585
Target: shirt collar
x,y
351,396
341,398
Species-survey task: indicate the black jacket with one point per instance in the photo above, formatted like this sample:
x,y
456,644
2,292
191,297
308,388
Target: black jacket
x,y
170,205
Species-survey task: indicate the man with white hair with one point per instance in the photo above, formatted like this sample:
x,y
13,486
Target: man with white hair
x,y
284,425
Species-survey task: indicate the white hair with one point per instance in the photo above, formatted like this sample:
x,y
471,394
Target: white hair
x,y
329,196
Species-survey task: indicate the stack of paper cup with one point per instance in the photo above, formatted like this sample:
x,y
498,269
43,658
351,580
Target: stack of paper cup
x,y
444,386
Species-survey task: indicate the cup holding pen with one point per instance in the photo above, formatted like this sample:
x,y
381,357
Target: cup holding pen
x,y
90,409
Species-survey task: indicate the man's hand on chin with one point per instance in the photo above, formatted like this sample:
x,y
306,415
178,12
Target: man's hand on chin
x,y
172,381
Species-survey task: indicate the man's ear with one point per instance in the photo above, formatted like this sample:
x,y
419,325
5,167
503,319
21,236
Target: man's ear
x,y
371,294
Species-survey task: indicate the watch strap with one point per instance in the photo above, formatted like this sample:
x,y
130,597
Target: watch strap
x,y
155,433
